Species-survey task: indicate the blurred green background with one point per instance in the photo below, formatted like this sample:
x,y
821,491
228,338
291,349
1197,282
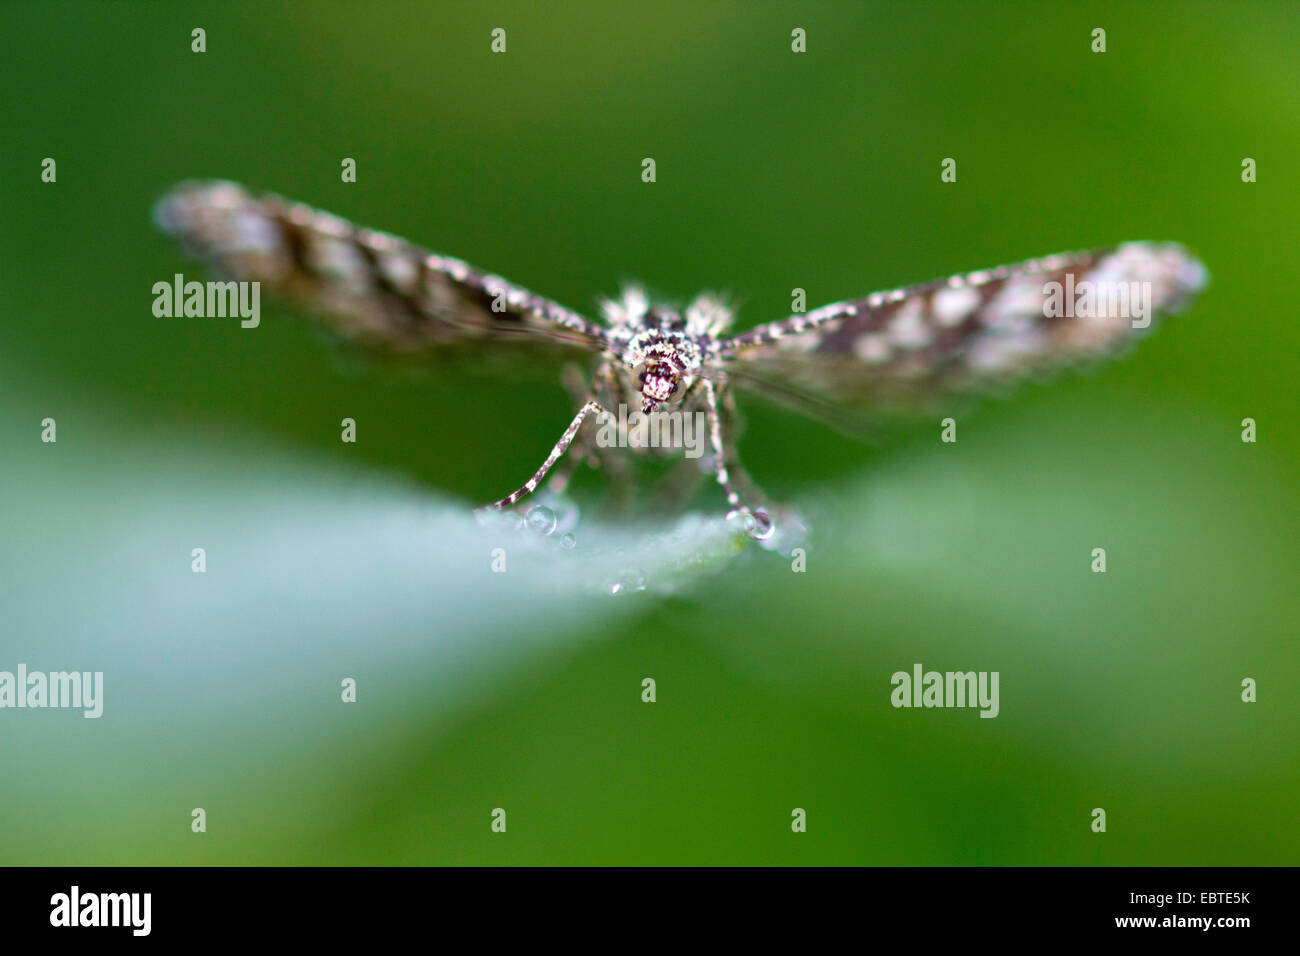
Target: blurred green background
x,y
775,170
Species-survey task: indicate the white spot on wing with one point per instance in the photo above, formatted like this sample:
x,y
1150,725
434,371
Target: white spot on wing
x,y
872,347
907,329
951,306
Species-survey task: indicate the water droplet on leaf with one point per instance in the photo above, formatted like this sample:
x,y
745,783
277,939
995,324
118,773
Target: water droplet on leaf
x,y
740,521
541,520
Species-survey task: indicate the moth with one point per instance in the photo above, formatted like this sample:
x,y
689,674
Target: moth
x,y
848,363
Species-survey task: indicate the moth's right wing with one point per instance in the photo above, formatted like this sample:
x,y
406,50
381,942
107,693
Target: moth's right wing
x,y
855,363
372,288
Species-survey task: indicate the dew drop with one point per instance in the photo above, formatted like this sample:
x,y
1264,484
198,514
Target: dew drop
x,y
568,542
628,581
740,521
764,526
541,520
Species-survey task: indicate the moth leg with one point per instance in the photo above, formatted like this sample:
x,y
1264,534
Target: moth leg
x,y
727,468
583,451
721,453
562,475
731,424
560,448
614,460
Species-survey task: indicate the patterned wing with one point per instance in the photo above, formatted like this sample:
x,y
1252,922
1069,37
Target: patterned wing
x,y
375,289
904,349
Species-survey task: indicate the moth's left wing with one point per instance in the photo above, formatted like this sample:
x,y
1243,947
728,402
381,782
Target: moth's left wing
x,y
372,288
903,350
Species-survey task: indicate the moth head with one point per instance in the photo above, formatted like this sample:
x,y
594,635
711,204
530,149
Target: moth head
x,y
661,384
